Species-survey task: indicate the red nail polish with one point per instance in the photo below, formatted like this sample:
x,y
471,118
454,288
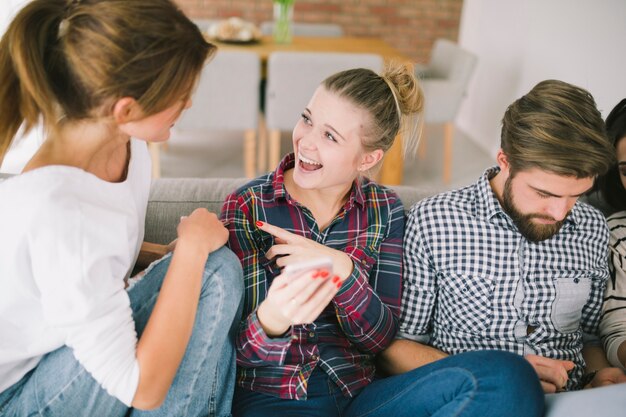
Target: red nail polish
x,y
335,279
259,223
339,284
324,273
316,274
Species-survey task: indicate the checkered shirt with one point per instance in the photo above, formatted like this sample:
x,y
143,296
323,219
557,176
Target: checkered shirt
x,y
474,282
362,318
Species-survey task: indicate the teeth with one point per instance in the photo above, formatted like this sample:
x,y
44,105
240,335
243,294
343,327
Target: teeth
x,y
308,161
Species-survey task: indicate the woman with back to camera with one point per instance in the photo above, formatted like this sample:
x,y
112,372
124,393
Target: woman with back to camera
x,y
105,77
308,340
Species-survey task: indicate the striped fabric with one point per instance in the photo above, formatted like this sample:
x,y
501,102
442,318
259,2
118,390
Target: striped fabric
x,y
613,325
473,282
362,318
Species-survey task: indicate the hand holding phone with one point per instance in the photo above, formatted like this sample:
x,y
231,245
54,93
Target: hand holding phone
x,y
298,295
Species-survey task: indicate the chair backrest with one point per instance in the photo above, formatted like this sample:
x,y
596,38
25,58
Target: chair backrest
x,y
293,77
445,80
326,30
227,95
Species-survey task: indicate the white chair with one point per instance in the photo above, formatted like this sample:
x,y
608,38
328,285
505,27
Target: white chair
x,y
444,82
292,78
326,30
227,98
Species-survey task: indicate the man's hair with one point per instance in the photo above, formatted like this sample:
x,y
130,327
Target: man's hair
x,y
556,127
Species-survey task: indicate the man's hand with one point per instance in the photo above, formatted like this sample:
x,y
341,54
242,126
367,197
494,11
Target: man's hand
x,y
552,372
607,376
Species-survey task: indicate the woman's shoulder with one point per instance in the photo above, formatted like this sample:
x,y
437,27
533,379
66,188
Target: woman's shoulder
x,y
260,187
52,189
374,192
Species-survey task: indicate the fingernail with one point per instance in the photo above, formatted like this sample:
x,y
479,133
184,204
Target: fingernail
x,y
335,279
324,274
316,274
259,223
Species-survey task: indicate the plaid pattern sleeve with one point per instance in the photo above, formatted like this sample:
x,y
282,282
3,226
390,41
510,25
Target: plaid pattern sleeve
x,y
367,304
362,318
254,346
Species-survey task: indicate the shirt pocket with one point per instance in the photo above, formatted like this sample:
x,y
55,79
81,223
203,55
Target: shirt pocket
x,y
466,302
571,296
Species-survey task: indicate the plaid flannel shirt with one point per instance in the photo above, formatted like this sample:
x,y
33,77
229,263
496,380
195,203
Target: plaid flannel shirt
x,y
472,281
362,318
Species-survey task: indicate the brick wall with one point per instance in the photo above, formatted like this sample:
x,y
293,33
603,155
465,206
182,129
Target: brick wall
x,y
411,26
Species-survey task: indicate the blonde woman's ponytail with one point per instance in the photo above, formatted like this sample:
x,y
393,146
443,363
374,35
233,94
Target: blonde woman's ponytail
x,y
25,90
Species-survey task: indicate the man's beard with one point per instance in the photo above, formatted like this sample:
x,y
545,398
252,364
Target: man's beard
x,y
529,229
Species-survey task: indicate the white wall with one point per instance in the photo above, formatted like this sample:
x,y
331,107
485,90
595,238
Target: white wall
x,y
520,43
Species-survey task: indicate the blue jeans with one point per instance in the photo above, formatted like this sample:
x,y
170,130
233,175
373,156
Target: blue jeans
x,y
60,386
480,384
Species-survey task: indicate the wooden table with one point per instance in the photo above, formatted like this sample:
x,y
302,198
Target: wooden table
x,y
392,169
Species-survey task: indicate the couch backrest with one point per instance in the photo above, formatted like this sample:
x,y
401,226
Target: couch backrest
x,y
171,198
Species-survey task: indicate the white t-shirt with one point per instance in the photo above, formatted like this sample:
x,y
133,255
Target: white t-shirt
x,y
68,240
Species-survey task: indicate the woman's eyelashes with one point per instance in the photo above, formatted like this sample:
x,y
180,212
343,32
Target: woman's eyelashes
x,y
307,120
330,136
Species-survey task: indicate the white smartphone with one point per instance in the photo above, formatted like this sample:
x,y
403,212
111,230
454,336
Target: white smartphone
x,y
299,268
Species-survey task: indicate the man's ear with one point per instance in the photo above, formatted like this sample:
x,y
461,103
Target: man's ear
x,y
126,110
370,159
503,162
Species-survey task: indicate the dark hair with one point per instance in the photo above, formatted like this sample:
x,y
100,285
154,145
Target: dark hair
x,y
610,184
556,127
71,60
394,100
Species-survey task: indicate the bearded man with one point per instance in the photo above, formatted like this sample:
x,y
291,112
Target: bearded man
x,y
514,261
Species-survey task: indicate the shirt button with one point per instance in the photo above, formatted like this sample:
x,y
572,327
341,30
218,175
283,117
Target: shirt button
x,y
311,334
576,280
294,337
314,357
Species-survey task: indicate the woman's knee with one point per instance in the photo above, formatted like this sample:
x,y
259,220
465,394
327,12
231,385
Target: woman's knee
x,y
224,269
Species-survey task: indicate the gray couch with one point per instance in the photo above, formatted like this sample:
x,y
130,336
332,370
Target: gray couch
x,y
171,198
